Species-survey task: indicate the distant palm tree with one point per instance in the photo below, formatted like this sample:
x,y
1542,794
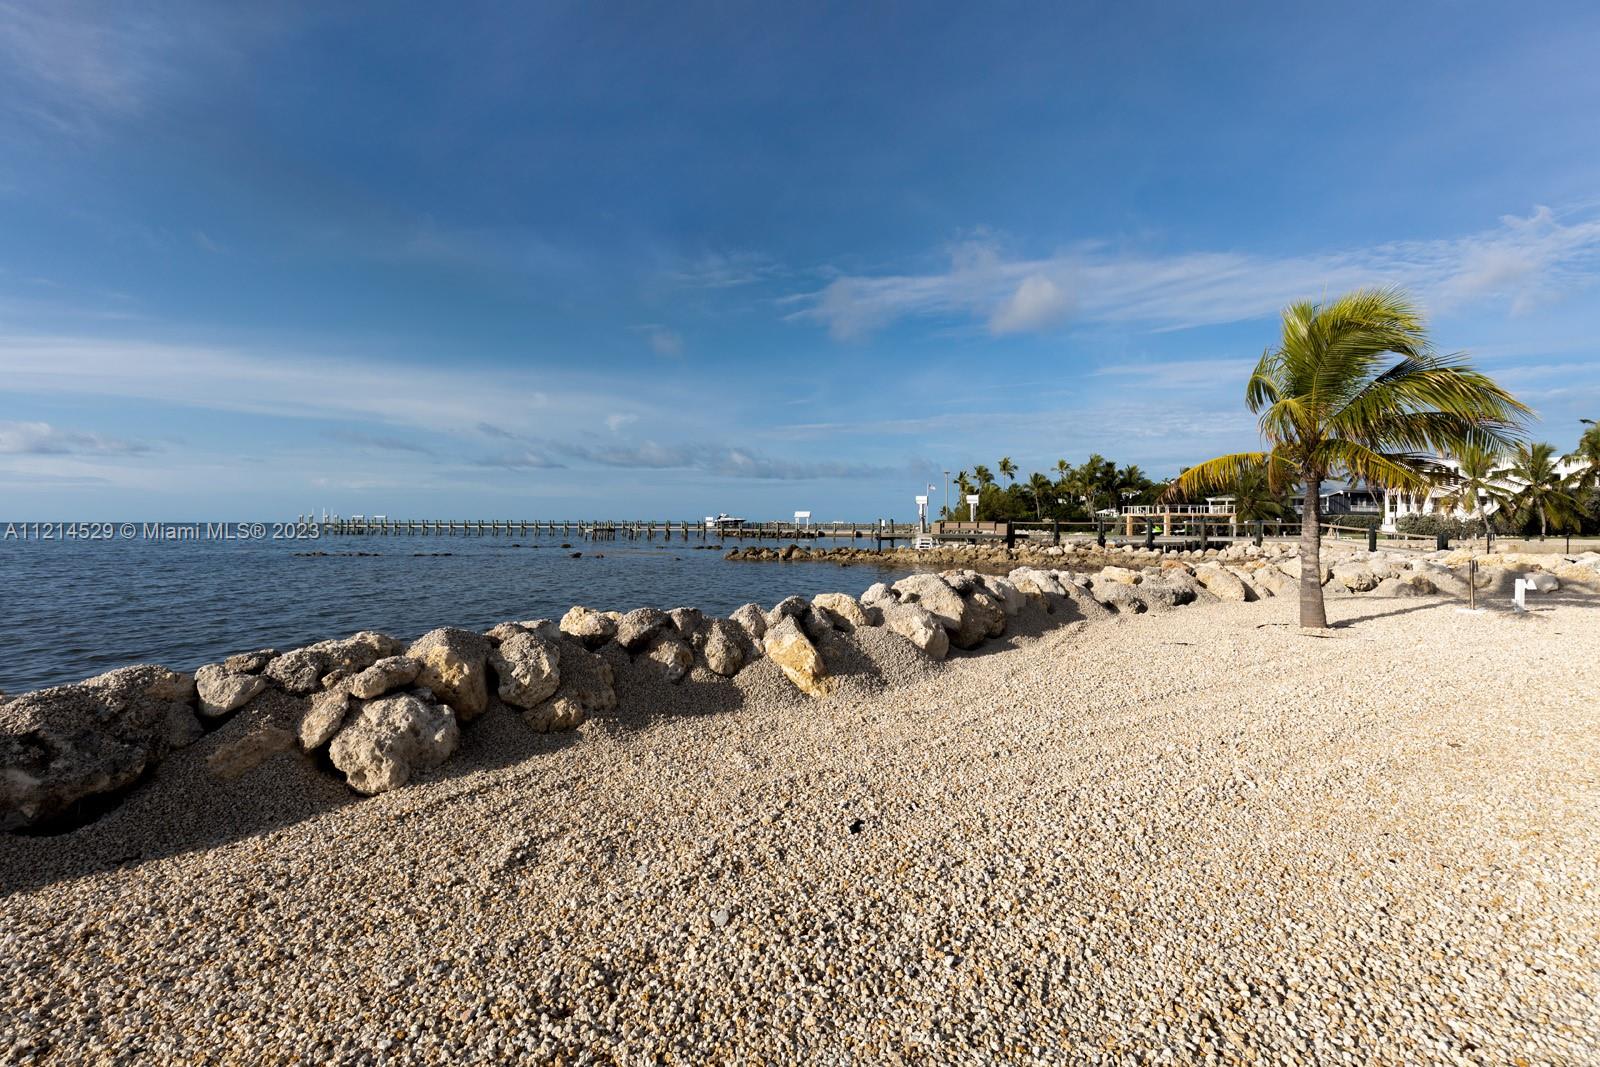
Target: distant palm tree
x,y
1472,484
1353,387
985,478
1254,498
1541,491
1063,468
1039,486
1008,469
1587,453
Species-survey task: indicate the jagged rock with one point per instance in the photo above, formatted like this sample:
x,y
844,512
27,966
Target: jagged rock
x,y
323,719
392,738
384,676
1119,596
1276,582
249,662
557,713
248,752
723,651
798,658
790,607
62,745
671,654
752,620
845,613
1219,583
586,677
936,596
357,652
454,668
877,595
589,626
222,691
639,626
1117,574
915,624
983,618
502,630
1356,577
1543,583
299,671
528,667
1011,599
687,621
1252,591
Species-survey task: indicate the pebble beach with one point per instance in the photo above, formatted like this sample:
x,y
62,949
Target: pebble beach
x,y
1192,836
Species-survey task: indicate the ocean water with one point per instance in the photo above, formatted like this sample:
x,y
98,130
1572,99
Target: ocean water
x,y
72,608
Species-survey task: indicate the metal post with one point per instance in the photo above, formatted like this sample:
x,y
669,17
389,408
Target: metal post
x,y
1100,532
1372,539
1261,532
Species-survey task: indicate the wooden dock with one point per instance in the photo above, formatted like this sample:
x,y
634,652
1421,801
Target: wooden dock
x,y
607,529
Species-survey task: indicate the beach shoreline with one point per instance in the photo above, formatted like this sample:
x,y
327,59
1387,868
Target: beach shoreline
x,y
1039,851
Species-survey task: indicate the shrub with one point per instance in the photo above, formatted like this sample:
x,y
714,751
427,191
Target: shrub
x,y
1431,525
1355,521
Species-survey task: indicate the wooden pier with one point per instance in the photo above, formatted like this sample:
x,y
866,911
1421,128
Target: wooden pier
x,y
607,529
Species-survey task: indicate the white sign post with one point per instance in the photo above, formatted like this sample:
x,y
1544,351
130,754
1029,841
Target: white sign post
x,y
1519,594
972,506
803,517
922,514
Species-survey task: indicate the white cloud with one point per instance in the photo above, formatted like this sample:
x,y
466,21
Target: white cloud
x,y
617,421
43,439
1520,264
1038,303
663,342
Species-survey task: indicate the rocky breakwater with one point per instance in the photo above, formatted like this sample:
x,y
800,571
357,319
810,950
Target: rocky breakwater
x,y
378,711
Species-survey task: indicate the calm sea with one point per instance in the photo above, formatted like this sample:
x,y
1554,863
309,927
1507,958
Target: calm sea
x,y
74,608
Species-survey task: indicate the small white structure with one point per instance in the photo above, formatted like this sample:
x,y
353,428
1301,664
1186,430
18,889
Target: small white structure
x,y
972,507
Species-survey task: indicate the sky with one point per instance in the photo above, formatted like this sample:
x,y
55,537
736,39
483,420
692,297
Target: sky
x,y
666,260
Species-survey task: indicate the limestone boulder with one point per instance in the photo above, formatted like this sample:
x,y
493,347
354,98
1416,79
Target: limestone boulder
x,y
67,744
752,620
222,692
1219,583
878,594
249,662
790,607
723,651
1542,582
638,626
528,669
557,713
1117,574
586,678
843,611
936,597
983,617
687,621
1011,599
454,667
788,647
671,655
914,623
1355,576
299,670
357,652
588,626
393,738
384,676
323,719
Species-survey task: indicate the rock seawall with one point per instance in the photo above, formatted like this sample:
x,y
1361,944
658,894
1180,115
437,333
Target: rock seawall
x,y
378,710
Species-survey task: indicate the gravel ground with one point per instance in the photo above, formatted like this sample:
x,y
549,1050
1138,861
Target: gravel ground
x,y
1199,836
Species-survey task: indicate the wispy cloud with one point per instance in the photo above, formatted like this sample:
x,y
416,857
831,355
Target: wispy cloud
x,y
1519,264
662,340
722,270
382,442
617,420
43,439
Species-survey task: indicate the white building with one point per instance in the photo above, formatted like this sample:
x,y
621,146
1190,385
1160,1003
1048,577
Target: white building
x,y
1397,503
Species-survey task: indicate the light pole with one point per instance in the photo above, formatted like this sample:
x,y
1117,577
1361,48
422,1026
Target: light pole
x,y
947,492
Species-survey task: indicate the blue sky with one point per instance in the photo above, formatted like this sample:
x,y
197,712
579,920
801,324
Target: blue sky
x,y
584,260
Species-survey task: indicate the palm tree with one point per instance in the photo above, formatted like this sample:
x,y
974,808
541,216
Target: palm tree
x,y
1587,453
1039,485
1007,468
1472,484
1353,387
1254,498
985,478
1542,489
1063,468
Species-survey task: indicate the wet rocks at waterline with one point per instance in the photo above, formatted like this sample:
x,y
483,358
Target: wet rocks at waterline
x,y
379,711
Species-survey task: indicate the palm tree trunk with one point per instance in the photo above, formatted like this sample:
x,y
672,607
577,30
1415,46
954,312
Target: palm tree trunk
x,y
1313,613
